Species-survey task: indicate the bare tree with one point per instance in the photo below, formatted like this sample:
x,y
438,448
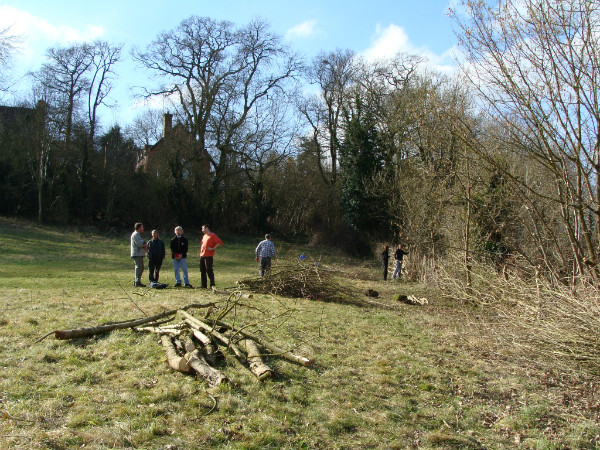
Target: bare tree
x,y
535,65
146,129
8,44
217,73
103,57
334,75
64,75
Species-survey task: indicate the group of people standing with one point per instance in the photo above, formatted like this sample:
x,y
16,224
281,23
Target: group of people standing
x,y
398,257
154,249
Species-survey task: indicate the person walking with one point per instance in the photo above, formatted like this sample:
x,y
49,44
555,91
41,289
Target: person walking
x,y
263,253
179,249
156,255
398,257
385,257
138,248
210,242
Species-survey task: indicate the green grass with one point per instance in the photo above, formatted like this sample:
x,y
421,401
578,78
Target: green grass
x,y
382,379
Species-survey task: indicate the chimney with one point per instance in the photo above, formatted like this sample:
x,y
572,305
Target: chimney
x,y
167,124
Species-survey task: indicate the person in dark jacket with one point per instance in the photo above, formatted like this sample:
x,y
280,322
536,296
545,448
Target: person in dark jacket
x,y
385,257
156,255
179,249
398,256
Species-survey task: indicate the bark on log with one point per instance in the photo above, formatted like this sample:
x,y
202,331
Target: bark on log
x,y
209,346
266,344
100,329
196,323
188,345
213,377
175,361
257,366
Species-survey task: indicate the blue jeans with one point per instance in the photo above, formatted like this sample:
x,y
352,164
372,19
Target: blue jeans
x,y
182,263
398,270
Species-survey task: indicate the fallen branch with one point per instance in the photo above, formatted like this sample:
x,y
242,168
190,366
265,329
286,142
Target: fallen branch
x,y
266,344
221,292
101,329
172,330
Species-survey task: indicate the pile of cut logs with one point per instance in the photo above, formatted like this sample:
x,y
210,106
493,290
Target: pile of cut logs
x,y
195,344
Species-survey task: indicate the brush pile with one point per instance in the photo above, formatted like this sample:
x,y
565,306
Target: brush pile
x,y
301,280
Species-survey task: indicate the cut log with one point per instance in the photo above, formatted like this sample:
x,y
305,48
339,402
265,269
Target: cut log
x,y
266,344
257,366
213,377
175,361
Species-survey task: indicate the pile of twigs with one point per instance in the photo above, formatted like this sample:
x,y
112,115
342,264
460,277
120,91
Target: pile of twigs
x,y
198,344
301,280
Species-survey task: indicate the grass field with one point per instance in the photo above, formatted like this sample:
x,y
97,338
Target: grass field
x,y
405,377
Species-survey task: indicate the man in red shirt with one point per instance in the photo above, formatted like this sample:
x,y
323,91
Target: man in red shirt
x,y
210,242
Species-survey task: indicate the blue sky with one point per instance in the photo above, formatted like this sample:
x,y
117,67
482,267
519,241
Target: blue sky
x,y
374,28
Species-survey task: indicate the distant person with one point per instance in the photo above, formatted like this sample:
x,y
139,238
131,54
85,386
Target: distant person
x,y
179,249
398,256
263,253
156,255
210,242
385,257
138,249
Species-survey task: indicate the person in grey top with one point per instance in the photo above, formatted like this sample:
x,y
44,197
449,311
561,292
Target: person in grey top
x,y
263,253
138,249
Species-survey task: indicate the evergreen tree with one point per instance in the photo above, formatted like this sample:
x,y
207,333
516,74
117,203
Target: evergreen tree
x,y
362,160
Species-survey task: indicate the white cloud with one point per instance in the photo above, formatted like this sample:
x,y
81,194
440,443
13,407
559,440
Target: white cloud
x,y
35,34
387,42
302,30
391,40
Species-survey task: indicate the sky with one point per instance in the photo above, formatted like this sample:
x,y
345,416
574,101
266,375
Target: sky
x,y
373,28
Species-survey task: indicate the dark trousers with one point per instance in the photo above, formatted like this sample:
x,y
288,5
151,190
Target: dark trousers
x,y
265,265
384,266
206,268
154,269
